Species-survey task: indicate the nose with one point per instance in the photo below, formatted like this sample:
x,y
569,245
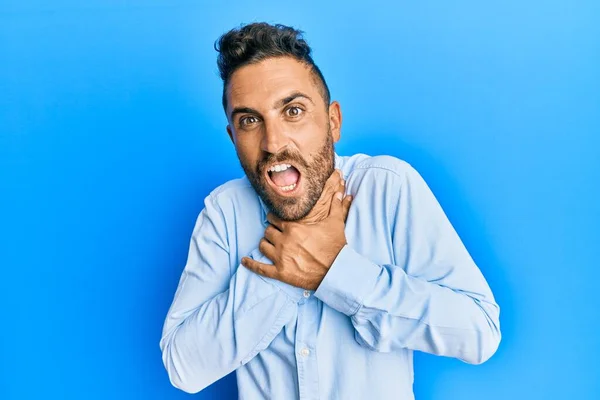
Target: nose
x,y
274,137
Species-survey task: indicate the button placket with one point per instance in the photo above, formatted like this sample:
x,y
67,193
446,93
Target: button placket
x,y
306,341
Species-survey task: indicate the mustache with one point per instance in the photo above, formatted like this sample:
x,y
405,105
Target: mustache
x,y
286,155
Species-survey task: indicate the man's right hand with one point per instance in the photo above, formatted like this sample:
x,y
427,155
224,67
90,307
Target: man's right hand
x,y
320,211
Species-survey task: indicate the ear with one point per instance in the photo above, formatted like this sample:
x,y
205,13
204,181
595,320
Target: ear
x,y
335,120
230,134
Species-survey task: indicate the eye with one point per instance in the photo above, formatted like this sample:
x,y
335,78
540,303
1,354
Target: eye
x,y
294,111
249,120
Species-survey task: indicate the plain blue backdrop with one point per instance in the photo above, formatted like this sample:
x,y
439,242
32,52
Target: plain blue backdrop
x,y
112,133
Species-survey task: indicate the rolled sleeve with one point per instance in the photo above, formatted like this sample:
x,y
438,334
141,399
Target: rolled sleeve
x,y
350,278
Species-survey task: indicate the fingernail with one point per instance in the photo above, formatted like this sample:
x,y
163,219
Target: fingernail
x,y
338,196
343,182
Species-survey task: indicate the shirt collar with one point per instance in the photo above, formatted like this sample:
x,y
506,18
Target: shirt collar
x,y
263,208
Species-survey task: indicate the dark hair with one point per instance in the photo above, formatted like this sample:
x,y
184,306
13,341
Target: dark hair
x,y
258,41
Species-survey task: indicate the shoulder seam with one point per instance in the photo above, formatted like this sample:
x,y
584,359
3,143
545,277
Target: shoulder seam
x,y
399,174
385,167
224,188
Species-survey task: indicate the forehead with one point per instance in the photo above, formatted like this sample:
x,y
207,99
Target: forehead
x,y
260,85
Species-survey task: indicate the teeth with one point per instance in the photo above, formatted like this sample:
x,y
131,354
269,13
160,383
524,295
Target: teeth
x,y
287,188
279,167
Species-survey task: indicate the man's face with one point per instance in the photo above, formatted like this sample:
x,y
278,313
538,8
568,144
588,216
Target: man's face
x,y
283,133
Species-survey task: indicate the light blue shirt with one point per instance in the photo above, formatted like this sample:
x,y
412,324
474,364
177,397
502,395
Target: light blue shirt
x,y
403,282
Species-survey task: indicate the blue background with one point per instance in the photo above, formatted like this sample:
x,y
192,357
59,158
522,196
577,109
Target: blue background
x,y
112,133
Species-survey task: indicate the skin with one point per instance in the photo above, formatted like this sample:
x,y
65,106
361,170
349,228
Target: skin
x,y
302,253
276,114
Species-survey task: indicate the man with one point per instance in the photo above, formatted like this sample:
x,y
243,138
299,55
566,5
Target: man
x,y
303,294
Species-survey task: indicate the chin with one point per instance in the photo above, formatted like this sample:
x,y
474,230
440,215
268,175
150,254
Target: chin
x,y
288,209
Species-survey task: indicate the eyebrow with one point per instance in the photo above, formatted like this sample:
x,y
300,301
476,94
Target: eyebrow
x,y
278,104
290,98
243,110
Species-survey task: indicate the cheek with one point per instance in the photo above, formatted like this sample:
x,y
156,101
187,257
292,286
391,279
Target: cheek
x,y
309,137
248,152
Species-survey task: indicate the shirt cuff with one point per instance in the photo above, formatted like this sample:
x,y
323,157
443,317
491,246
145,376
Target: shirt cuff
x,y
293,292
350,278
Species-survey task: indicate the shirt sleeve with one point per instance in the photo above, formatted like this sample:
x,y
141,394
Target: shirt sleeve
x,y
219,321
435,300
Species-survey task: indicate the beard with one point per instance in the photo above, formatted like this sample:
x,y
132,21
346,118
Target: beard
x,y
314,175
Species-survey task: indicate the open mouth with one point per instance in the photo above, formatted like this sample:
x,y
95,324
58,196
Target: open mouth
x,y
284,178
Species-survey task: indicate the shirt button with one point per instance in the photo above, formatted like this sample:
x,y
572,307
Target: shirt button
x,y
306,294
305,352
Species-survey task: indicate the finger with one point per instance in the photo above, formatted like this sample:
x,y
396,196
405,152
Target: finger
x,y
335,209
262,269
346,206
333,181
276,222
334,184
267,249
340,189
272,234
